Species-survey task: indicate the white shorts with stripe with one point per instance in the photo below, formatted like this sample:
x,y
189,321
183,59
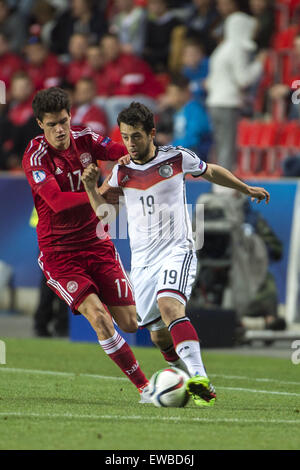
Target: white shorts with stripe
x,y
173,277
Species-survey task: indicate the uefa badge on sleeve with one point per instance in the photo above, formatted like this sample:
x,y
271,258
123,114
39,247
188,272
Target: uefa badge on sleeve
x,y
38,176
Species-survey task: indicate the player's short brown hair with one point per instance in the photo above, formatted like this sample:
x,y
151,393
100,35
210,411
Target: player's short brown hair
x,y
50,100
135,114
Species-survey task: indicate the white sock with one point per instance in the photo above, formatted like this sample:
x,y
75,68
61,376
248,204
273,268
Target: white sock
x,y
112,344
189,352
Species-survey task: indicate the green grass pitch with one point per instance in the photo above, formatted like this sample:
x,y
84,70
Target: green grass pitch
x,y
60,395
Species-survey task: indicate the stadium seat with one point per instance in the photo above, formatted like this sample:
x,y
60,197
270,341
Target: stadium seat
x,y
245,138
289,138
257,148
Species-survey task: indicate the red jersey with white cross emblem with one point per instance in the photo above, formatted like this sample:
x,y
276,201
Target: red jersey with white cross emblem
x,y
66,219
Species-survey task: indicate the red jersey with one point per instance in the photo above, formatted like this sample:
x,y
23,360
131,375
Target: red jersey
x,y
20,113
48,74
9,64
91,116
128,75
76,70
66,219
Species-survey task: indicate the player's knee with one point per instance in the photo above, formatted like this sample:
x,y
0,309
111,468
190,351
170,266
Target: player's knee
x,y
170,310
128,325
161,338
98,318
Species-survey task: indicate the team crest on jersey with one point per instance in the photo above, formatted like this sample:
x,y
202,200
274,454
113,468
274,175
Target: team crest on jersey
x,y
72,286
86,159
165,171
38,176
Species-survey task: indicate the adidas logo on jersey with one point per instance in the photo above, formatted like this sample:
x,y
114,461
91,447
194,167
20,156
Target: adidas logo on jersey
x,y
58,171
125,179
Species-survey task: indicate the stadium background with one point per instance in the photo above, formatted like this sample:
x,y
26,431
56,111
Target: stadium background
x,y
268,132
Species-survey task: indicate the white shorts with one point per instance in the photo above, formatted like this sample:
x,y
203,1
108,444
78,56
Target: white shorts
x,y
174,277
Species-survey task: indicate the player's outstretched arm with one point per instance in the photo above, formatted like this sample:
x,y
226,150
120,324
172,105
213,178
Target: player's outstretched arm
x,y
218,175
101,207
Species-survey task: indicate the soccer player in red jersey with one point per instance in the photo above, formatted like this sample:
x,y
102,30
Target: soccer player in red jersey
x,y
77,257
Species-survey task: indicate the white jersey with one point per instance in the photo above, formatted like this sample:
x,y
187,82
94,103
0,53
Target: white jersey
x,y
155,197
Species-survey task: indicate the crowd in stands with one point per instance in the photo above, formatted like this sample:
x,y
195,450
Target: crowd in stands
x,y
205,67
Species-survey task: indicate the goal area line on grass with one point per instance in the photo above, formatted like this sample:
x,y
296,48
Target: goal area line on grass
x,y
105,377
173,419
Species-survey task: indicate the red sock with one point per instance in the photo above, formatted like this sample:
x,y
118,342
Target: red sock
x,y
119,351
182,330
170,354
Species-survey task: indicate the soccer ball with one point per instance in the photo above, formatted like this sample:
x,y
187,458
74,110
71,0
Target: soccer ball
x,y
167,388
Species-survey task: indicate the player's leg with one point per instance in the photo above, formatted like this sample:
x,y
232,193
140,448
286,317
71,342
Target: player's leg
x,y
80,293
187,346
111,341
116,292
125,317
163,341
174,286
183,334
145,289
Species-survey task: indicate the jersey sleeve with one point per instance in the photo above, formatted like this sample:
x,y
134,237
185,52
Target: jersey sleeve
x,y
103,148
191,163
37,170
42,181
113,180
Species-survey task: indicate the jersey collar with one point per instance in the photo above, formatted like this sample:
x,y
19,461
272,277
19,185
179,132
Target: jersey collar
x,y
148,161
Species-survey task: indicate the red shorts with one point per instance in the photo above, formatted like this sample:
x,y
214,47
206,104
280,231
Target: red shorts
x,y
73,275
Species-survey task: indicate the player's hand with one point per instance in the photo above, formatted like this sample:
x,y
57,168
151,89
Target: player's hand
x,y
124,160
90,176
260,194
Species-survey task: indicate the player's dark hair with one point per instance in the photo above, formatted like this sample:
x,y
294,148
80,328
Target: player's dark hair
x,y
51,100
135,114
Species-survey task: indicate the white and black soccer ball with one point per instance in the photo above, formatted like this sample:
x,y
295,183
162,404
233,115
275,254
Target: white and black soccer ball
x,y
168,389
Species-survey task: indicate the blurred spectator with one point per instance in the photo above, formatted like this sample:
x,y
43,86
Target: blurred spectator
x,y
43,19
290,75
78,66
125,75
81,17
224,9
264,13
13,26
231,72
19,124
195,67
85,112
201,17
129,25
159,26
191,125
43,67
9,62
51,317
96,61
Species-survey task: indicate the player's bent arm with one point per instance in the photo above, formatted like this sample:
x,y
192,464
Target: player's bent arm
x,y
58,200
218,175
101,206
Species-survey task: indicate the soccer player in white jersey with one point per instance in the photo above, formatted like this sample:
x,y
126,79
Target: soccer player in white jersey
x,y
163,264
